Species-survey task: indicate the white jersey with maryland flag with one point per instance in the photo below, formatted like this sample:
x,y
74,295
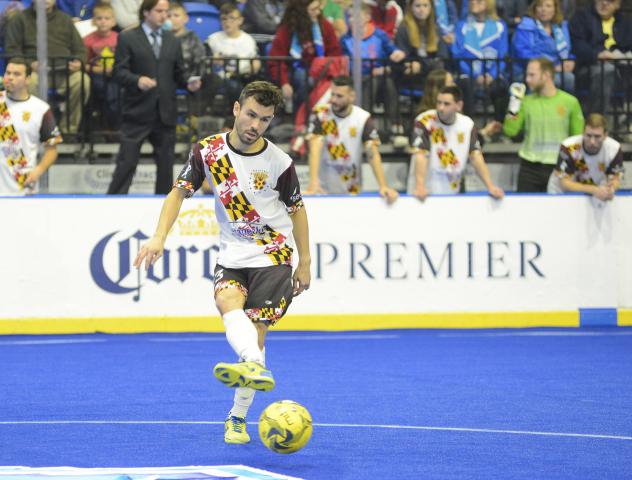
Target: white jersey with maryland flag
x,y
448,148
341,160
255,194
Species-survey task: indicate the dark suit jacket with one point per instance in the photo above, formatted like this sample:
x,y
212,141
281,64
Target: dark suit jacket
x,y
587,37
134,58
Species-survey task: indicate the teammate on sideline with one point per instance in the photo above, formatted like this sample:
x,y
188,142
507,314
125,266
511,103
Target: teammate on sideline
x,y
444,141
259,206
337,133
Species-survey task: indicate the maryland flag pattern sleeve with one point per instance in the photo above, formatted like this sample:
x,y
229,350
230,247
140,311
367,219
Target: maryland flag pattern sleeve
x,y
255,193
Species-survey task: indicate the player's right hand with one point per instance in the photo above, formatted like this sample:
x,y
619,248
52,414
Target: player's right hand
x,y
150,252
314,189
421,192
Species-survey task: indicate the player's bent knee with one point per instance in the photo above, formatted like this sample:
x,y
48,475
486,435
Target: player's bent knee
x,y
229,299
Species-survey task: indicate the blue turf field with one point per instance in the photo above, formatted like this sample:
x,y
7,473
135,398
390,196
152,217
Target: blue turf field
x,y
386,405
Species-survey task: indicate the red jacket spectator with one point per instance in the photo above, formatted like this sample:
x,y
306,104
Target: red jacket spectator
x,y
386,15
281,48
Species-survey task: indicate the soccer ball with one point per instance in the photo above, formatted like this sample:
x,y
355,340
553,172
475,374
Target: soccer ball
x,y
285,426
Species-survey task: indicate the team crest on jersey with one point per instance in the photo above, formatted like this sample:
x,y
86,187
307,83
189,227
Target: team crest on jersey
x,y
259,181
460,137
353,132
26,116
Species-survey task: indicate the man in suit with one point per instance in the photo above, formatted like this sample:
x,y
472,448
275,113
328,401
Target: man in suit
x,y
148,65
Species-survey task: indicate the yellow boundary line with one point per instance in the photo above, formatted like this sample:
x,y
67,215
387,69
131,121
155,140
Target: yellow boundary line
x,y
624,318
331,322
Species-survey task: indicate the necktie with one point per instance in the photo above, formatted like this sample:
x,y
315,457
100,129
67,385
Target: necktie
x,y
154,44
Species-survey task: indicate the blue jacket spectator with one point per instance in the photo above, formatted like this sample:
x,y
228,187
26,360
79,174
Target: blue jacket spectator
x,y
480,37
375,45
446,16
81,9
532,41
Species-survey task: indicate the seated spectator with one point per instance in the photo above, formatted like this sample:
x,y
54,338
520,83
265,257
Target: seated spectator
x,y
77,9
600,34
544,33
303,35
591,163
126,13
332,11
385,15
65,49
480,44
445,12
229,44
378,84
263,16
435,81
418,38
101,46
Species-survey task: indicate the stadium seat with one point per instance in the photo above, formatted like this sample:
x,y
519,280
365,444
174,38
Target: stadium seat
x,y
203,19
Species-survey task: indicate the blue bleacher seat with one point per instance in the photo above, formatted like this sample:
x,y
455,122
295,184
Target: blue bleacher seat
x,y
203,19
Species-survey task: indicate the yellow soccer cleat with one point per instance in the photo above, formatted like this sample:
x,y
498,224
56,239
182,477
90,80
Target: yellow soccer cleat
x,y
235,431
244,374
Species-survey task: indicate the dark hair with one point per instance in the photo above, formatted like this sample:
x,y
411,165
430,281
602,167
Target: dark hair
x,y
296,19
21,61
343,81
146,6
453,90
228,8
546,65
265,93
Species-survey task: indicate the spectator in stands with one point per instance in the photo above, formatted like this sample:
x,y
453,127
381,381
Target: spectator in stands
x,y
591,163
228,45
101,46
377,81
445,13
66,55
28,124
77,9
303,35
333,12
148,66
544,33
435,81
419,39
263,17
9,11
600,34
339,134
444,142
126,13
385,15
547,116
481,44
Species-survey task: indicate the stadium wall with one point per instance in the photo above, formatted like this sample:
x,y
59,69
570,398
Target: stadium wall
x,y
452,262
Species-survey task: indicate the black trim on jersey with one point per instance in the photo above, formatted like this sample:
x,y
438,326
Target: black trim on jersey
x,y
239,152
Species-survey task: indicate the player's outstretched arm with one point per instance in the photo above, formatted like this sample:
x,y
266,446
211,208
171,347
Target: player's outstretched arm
x,y
375,160
476,157
602,192
300,229
151,251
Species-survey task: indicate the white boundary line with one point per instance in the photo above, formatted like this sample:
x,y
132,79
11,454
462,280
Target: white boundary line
x,y
332,425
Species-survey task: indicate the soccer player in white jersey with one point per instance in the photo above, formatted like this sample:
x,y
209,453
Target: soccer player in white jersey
x,y
339,132
444,141
26,123
259,207
591,163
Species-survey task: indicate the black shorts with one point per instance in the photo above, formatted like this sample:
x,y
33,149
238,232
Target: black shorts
x,y
268,290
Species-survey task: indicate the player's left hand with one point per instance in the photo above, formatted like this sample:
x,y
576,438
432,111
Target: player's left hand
x,y
389,194
301,278
33,177
496,192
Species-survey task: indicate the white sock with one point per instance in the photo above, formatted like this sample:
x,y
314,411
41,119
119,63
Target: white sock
x,y
242,336
244,397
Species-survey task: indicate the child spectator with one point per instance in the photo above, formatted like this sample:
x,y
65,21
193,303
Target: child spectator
x,y
100,46
228,45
